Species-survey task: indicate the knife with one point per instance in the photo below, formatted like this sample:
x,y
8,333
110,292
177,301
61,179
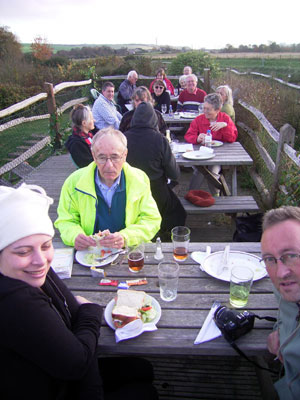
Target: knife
x,y
109,255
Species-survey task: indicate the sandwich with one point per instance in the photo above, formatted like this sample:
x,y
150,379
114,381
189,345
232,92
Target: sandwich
x,y
100,235
131,305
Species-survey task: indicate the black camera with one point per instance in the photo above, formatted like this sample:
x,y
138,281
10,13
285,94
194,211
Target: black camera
x,y
232,323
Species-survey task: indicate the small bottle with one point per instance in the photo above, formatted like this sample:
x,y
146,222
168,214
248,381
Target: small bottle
x,y
170,111
158,254
208,138
168,135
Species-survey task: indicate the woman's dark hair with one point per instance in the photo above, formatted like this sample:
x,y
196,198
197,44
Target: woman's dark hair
x,y
160,83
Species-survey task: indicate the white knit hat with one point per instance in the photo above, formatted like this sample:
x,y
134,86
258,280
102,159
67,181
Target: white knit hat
x,y
23,212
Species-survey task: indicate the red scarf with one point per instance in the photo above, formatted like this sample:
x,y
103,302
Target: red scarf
x,y
87,137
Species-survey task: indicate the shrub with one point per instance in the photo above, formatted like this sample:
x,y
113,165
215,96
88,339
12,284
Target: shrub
x,y
198,60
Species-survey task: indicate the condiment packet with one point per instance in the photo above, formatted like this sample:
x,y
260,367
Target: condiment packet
x,y
123,285
137,282
108,282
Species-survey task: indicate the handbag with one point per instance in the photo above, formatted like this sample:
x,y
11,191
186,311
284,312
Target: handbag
x,y
248,228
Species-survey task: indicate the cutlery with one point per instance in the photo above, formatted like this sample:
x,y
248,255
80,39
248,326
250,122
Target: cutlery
x,y
109,255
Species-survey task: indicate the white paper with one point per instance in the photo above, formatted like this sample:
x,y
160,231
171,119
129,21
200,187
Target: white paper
x,y
209,330
182,147
133,329
62,262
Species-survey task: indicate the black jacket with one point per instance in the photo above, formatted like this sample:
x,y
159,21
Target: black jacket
x,y
47,349
126,120
151,152
80,151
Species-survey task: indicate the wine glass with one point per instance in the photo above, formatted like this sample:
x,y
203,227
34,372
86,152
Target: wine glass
x,y
163,108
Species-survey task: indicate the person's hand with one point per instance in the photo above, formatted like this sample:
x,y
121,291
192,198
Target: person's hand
x,y
114,240
274,344
82,300
215,126
201,138
82,242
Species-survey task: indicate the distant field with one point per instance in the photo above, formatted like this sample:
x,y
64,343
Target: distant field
x,y
26,46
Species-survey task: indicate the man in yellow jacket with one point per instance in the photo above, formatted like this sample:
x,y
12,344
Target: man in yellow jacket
x,y
107,194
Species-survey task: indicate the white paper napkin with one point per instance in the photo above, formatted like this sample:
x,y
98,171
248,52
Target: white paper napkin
x,y
205,150
133,329
209,330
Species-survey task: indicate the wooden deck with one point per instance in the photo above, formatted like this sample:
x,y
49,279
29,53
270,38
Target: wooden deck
x,y
188,377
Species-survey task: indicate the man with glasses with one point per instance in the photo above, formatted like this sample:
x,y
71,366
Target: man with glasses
x,y
110,195
280,246
191,97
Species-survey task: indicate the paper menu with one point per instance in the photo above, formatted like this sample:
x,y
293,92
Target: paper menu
x,y
62,262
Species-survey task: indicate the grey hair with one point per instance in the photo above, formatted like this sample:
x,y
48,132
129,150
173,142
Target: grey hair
x,y
215,100
109,132
228,92
187,66
182,78
194,76
130,73
80,113
282,214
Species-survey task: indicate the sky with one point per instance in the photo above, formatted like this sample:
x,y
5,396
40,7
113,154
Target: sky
x,y
210,24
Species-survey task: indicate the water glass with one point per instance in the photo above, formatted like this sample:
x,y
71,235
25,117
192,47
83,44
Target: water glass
x,y
163,108
180,237
168,273
240,284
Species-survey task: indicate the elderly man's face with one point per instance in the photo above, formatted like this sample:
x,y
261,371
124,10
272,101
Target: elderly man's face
x,y
109,93
133,79
191,84
187,70
109,154
280,239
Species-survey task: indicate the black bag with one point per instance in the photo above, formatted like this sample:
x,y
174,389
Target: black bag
x,y
248,228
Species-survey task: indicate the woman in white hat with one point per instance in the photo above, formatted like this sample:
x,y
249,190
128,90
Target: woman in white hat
x,y
48,337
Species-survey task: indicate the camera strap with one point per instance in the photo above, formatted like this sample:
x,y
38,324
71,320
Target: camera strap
x,y
242,354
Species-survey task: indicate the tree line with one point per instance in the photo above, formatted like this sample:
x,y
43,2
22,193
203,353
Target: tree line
x,y
273,47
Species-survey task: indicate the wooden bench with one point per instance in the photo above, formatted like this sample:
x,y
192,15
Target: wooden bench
x,y
223,204
19,166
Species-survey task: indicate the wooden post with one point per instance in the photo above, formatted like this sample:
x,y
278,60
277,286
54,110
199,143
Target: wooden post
x,y
51,104
285,136
206,73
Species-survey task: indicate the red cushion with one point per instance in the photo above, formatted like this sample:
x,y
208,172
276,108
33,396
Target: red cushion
x,y
200,198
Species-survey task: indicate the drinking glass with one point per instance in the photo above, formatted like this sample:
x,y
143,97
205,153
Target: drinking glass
x,y
168,273
163,108
240,285
136,258
180,237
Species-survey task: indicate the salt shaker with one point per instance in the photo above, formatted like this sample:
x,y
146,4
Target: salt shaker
x,y
158,254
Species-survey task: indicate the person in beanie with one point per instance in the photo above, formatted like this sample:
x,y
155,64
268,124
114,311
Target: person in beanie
x,y
48,337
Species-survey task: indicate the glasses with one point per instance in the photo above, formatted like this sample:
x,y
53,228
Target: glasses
x,y
289,259
158,87
114,159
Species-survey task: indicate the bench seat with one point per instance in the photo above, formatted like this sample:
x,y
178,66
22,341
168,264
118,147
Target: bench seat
x,y
223,204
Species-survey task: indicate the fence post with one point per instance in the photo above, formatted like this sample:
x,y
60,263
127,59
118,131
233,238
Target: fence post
x,y
206,74
51,104
286,135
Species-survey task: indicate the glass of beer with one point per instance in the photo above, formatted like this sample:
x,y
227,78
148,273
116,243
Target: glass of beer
x,y
240,285
180,237
136,258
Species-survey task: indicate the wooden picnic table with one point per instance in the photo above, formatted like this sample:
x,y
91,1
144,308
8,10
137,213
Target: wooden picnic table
x,y
229,154
182,318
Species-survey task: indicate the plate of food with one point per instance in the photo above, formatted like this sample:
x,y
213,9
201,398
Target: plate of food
x,y
188,115
91,257
211,265
198,155
216,143
130,305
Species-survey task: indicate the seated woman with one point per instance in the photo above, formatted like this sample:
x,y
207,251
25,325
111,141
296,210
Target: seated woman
x,y
221,126
48,337
160,96
151,152
226,94
141,94
79,143
161,75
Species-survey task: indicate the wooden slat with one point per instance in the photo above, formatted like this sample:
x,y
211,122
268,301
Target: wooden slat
x,y
226,204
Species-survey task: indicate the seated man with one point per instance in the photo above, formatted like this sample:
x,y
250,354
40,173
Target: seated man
x,y
107,194
280,246
190,98
104,109
126,90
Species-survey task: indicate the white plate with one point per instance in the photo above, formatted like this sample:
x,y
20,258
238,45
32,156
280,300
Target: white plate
x,y
188,115
80,256
216,143
111,304
196,155
236,258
